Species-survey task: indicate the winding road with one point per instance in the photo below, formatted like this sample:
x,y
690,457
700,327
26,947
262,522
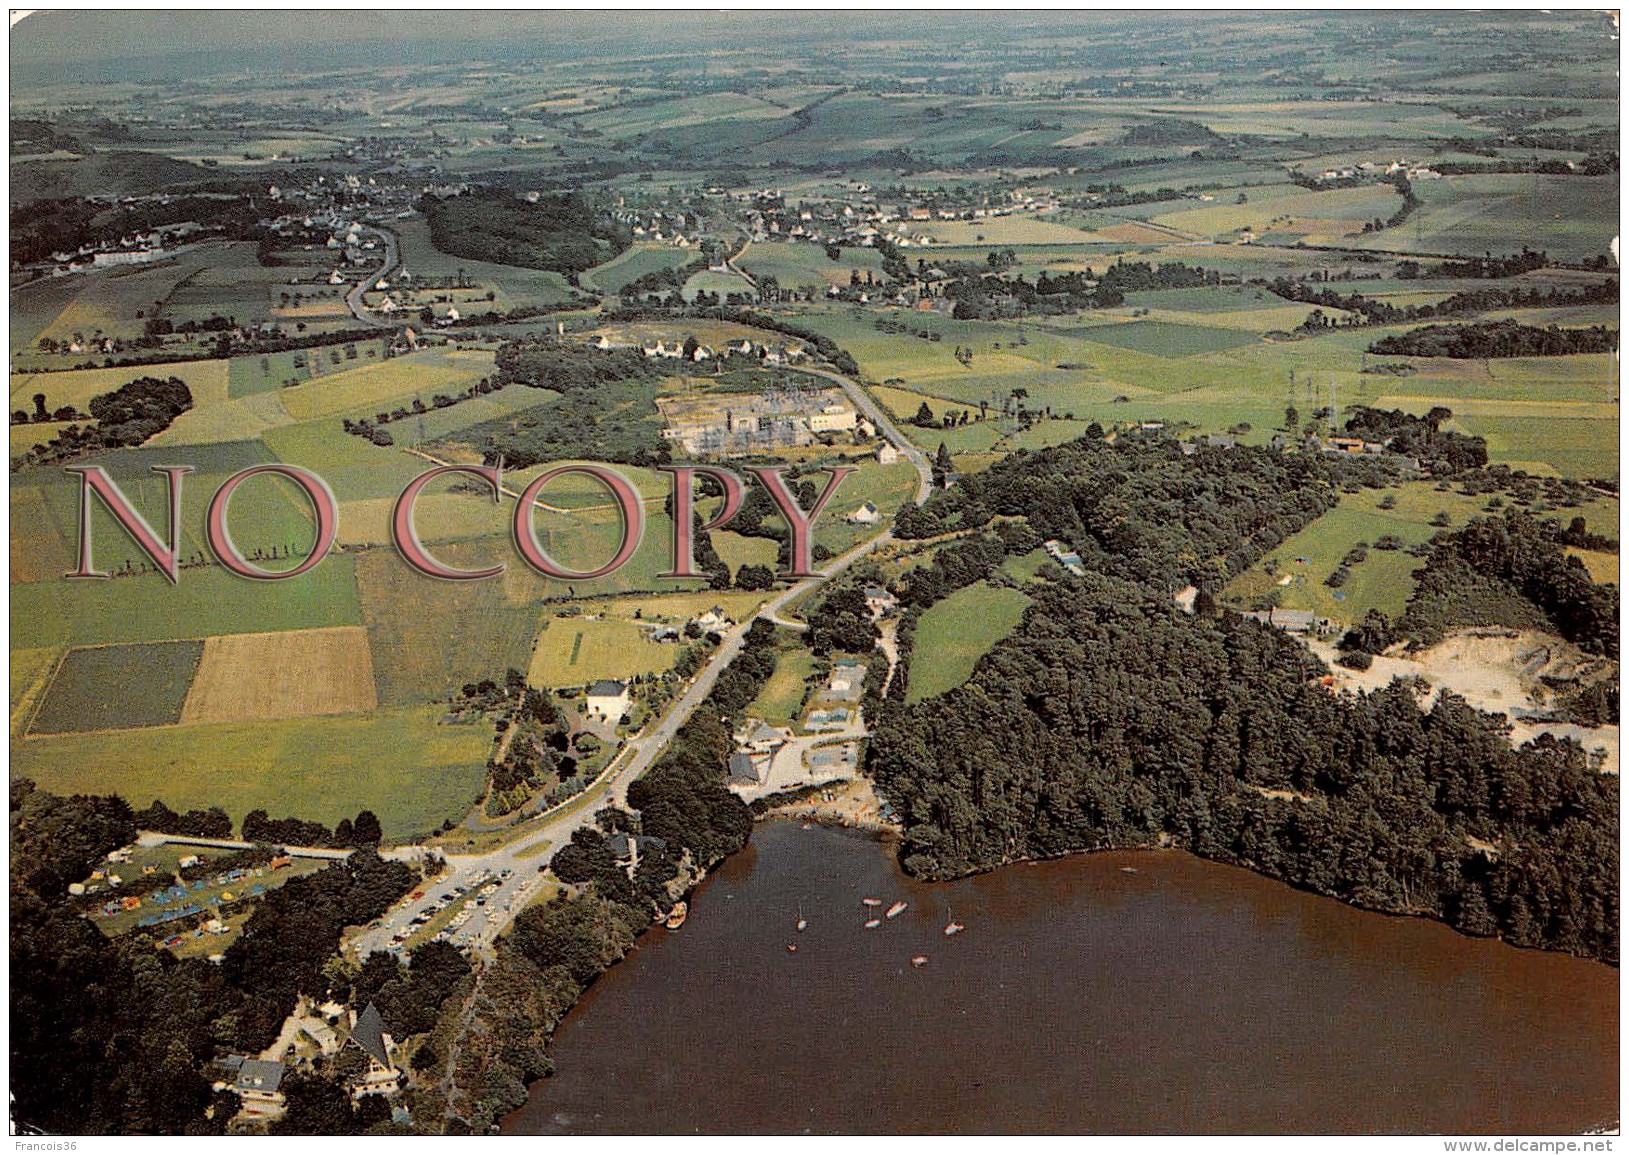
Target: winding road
x,y
525,856
353,299
878,416
507,877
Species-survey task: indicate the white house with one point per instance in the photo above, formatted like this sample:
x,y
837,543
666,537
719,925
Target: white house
x,y
607,700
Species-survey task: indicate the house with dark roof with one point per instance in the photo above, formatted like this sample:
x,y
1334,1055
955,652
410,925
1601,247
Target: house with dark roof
x,y
607,700
744,770
628,849
382,1076
259,1086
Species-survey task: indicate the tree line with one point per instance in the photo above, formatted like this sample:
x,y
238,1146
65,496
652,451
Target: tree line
x,y
1373,311
1498,339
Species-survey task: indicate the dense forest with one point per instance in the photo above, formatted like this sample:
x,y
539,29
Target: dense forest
x,y
1498,339
559,231
1112,718
1500,570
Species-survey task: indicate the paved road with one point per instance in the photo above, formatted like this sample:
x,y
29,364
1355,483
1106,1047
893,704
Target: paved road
x,y
353,299
878,416
506,878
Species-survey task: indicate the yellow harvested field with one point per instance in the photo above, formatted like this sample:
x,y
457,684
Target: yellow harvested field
x,y
1001,231
286,674
26,437
580,651
236,420
1603,567
38,552
437,517
206,380
1503,407
356,392
1133,233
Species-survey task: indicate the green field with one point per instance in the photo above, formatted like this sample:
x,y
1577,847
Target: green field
x,y
795,266
204,602
955,633
721,283
781,699
268,372
401,764
431,637
266,512
358,392
1383,581
118,687
1164,338
512,286
636,262
1570,217
575,651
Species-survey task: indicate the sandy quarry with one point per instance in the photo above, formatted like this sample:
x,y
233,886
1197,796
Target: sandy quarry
x,y
1495,670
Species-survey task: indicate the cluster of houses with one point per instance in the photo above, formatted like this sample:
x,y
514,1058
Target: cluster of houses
x,y
678,228
861,219
786,354
1369,168
258,1082
836,704
142,248
1337,445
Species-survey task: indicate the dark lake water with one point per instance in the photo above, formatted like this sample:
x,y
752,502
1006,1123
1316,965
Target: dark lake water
x,y
1185,997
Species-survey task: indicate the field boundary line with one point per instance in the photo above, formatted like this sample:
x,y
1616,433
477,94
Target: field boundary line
x,y
26,730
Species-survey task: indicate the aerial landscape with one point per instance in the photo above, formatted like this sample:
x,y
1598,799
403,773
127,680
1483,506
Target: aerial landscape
x,y
846,573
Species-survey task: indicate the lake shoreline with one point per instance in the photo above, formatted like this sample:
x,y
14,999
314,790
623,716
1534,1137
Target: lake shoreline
x,y
1056,940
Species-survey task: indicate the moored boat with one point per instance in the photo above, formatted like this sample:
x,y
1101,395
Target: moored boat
x,y
872,923
676,916
896,910
919,961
